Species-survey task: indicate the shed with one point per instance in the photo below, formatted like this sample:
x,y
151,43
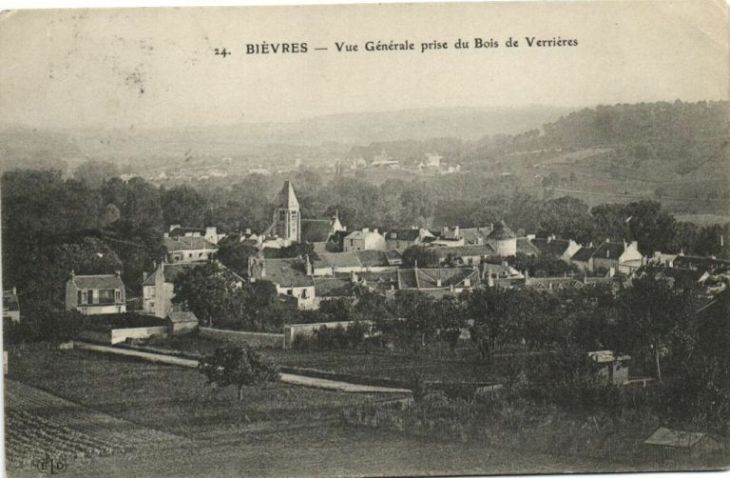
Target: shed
x,y
612,369
182,322
668,443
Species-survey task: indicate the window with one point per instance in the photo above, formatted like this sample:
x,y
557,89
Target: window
x,y
106,296
290,292
80,298
118,295
304,293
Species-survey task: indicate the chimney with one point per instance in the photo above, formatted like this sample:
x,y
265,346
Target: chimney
x,y
144,275
118,273
166,235
456,232
248,231
722,240
365,229
308,265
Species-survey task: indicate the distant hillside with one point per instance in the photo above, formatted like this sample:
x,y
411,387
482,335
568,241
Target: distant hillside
x,y
677,152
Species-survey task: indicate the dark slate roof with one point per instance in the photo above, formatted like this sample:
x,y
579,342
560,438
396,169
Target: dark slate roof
x,y
373,258
501,231
100,281
187,244
332,287
393,257
181,231
609,250
316,230
287,198
464,251
402,235
287,273
181,316
427,278
340,259
583,254
552,247
702,263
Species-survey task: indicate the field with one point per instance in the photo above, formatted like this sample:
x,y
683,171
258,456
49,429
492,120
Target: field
x,y
171,399
462,366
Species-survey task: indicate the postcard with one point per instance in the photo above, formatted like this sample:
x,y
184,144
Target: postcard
x,y
404,239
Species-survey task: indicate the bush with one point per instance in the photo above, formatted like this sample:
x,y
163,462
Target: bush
x,y
332,338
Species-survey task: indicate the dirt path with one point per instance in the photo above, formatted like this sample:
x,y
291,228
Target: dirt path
x,y
289,378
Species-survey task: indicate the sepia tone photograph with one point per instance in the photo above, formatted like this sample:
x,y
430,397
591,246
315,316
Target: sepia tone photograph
x,y
366,240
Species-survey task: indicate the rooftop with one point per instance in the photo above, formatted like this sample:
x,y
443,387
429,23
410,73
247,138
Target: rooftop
x,y
99,281
501,232
183,243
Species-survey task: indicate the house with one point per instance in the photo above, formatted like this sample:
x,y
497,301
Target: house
x,y
618,256
402,239
96,294
666,443
475,235
560,248
463,255
706,264
502,240
158,287
210,233
188,249
331,288
378,261
11,307
438,282
181,322
329,263
582,258
289,276
526,247
364,240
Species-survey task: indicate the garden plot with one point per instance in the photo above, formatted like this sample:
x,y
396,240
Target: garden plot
x,y
40,425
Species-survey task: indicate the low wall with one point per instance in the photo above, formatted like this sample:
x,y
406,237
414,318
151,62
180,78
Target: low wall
x,y
293,330
254,339
120,335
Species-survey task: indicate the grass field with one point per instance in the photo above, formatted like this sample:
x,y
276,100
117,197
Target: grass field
x,y
171,399
277,431
464,366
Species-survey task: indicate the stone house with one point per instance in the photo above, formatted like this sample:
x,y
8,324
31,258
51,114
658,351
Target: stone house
x,y
96,294
364,240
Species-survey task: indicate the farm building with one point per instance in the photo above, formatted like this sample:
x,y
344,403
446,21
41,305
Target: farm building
x,y
666,443
182,322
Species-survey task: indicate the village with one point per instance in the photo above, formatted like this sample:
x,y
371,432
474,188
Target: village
x,y
432,317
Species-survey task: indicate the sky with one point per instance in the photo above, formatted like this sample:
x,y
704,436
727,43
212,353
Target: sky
x,y
156,68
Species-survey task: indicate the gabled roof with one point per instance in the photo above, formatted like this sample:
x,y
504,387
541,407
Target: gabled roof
x,y
182,316
525,246
286,198
480,250
332,287
340,259
99,281
473,235
183,243
373,258
609,250
583,254
501,232
316,230
284,272
552,247
402,235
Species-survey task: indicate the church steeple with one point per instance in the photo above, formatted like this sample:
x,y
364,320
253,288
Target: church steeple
x,y
287,220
